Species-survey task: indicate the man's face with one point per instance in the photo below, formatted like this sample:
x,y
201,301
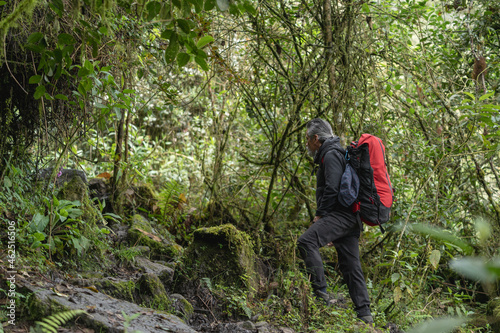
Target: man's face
x,y
312,144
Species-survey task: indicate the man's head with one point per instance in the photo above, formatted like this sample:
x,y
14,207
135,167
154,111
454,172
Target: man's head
x,y
318,130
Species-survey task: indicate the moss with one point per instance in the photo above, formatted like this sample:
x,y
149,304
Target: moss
x,y
224,255
182,306
142,233
152,293
24,8
139,198
73,190
122,290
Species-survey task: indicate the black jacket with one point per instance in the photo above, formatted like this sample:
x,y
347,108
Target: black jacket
x,y
331,167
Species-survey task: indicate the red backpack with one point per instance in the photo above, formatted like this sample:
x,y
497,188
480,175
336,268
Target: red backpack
x,y
374,202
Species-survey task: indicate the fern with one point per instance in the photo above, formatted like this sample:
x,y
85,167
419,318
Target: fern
x,y
52,323
171,198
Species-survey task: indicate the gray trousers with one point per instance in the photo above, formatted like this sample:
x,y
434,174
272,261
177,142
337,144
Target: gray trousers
x,y
344,233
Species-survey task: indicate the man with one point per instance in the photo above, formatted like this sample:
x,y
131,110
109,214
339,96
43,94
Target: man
x,y
333,222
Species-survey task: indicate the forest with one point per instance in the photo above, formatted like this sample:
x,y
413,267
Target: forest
x,y
155,177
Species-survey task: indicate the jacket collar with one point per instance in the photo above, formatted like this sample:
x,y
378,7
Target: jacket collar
x,y
328,145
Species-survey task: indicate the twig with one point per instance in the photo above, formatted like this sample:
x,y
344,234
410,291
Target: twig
x,y
7,64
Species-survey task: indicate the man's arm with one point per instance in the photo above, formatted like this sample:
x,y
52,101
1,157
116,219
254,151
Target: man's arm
x,y
334,168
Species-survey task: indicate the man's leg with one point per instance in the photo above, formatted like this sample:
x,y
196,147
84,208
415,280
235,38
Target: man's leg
x,y
350,266
308,245
322,232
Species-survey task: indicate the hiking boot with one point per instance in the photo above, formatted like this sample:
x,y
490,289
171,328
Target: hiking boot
x,y
327,299
367,320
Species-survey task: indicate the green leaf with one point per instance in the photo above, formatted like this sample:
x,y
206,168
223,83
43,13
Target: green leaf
x,y
184,25
434,258
61,97
56,202
40,90
2,3
57,6
39,222
441,235
172,49
182,59
103,30
166,34
483,229
395,277
249,8
153,8
442,325
488,95
7,182
35,79
223,4
39,236
200,61
204,41
209,5
64,212
470,95
35,38
474,268
65,39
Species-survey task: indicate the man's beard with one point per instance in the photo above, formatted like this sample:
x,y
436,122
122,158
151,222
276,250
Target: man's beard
x,y
311,153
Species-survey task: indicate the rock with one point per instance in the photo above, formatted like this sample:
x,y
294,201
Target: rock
x,y
264,327
247,325
164,273
151,267
141,198
121,289
493,310
75,189
182,306
231,328
98,188
161,244
151,292
286,330
105,314
64,175
224,255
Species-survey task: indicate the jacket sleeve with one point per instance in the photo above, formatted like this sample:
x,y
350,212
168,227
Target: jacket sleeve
x,y
333,166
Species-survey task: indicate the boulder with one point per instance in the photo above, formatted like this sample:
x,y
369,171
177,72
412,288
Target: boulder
x,y
222,254
161,242
151,292
63,176
182,306
140,198
73,190
104,313
165,273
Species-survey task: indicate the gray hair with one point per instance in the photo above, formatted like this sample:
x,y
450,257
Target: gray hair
x,y
319,127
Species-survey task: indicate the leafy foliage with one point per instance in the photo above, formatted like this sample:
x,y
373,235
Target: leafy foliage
x,y
52,323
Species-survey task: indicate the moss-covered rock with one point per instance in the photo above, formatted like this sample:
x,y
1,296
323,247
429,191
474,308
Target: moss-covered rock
x,y
161,243
493,311
124,289
107,314
224,255
152,293
182,307
140,198
73,190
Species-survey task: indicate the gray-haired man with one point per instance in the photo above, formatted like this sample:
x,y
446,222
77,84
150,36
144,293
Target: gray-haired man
x,y
333,222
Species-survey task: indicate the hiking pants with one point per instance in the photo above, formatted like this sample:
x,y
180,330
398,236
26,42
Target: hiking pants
x,y
344,233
